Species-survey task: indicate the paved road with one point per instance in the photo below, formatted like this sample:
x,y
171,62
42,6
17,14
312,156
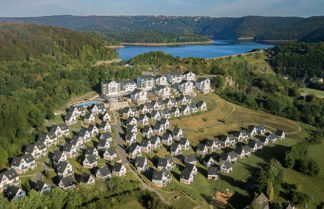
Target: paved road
x,y
123,155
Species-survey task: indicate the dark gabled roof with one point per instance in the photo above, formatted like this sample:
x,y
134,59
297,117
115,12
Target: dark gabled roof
x,y
246,149
164,161
279,132
154,139
102,143
16,161
145,142
61,166
127,109
174,146
68,116
30,148
157,175
190,158
92,127
83,132
40,145
117,167
222,138
207,158
110,151
232,154
176,131
201,147
132,147
85,177
140,162
88,115
239,150
212,170
130,119
42,137
63,126
166,135
200,103
174,109
130,127
210,143
12,191
67,181
91,159
147,128
104,171
68,147
105,135
141,117
39,185
57,155
130,135
250,128
28,158
185,174
183,107
90,151
104,124
226,165
10,174
158,126
190,167
236,133
166,112
183,141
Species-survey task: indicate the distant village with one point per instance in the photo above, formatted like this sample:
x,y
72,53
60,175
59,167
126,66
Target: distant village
x,y
142,109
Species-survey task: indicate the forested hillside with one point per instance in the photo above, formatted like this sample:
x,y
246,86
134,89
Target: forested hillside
x,y
157,37
257,27
40,69
299,61
20,41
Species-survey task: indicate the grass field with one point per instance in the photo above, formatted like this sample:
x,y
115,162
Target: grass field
x,y
222,117
308,91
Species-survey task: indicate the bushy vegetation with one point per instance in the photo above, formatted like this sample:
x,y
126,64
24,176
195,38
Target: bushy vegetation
x,y
297,156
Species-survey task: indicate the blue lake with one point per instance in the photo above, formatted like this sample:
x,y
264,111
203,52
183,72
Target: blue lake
x,y
217,49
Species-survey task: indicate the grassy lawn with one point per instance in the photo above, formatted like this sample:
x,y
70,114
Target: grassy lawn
x,y
134,204
313,186
308,91
222,117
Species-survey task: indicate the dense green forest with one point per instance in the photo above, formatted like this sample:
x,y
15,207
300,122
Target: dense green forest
x,y
157,37
23,41
43,79
258,27
299,61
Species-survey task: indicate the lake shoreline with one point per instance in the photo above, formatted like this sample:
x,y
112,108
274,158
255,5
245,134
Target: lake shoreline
x,y
168,44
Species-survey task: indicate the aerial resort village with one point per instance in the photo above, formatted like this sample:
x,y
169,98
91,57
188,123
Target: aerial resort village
x,y
123,130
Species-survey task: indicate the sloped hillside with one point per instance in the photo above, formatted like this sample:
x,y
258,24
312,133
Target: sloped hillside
x,y
21,41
